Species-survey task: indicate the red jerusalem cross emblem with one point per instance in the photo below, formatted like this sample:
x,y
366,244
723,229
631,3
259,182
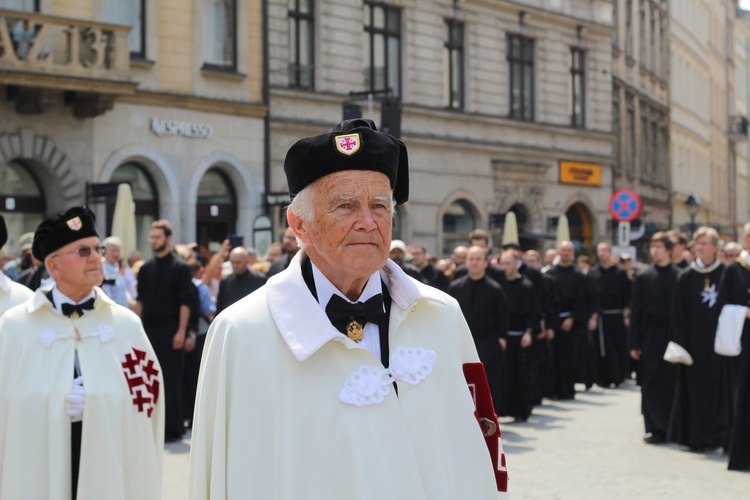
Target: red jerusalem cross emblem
x,y
143,380
348,144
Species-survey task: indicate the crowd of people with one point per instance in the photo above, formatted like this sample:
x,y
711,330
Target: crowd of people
x,y
338,308
543,324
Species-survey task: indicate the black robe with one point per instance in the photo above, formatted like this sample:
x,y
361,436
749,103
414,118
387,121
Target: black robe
x,y
164,285
544,382
653,292
699,412
435,277
569,346
735,289
518,374
611,290
485,307
234,287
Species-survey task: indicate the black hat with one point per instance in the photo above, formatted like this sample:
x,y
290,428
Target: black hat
x,y
65,227
350,145
3,232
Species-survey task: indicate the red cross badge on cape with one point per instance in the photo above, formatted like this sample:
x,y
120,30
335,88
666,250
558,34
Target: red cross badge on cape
x,y
143,380
348,144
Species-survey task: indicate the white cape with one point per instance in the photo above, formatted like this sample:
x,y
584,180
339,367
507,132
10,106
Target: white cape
x,y
270,423
729,330
123,433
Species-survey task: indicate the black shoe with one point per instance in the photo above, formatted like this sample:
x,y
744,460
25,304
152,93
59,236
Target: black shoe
x,y
654,438
171,437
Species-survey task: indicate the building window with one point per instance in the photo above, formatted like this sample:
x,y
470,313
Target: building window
x,y
629,28
644,147
145,199
383,33
454,64
654,152
653,61
301,43
642,33
458,221
616,23
21,5
577,98
220,34
663,47
630,138
520,54
616,130
130,13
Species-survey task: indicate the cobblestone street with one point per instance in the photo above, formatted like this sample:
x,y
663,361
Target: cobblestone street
x,y
589,448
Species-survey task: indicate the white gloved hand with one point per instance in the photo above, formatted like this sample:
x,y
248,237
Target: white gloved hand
x,y
76,399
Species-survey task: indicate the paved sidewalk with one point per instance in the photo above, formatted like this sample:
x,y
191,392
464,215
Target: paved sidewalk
x,y
588,448
592,448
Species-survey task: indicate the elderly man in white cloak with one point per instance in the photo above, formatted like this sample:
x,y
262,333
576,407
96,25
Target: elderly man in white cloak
x,y
342,377
81,398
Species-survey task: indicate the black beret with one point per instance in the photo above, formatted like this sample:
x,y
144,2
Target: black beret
x,y
350,145
65,227
3,232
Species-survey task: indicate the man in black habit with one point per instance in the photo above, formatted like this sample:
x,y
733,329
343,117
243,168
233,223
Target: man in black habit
x,y
165,296
653,292
525,316
241,283
734,290
570,342
485,307
611,292
699,413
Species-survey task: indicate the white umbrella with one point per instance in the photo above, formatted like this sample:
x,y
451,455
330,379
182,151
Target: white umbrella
x,y
563,231
123,220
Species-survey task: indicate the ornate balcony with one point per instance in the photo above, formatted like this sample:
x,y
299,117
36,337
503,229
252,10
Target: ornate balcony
x,y
88,61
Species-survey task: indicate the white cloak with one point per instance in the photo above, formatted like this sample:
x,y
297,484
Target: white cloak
x,y
123,433
11,293
270,420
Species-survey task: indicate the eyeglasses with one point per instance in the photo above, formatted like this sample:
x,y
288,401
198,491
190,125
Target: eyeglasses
x,y
84,252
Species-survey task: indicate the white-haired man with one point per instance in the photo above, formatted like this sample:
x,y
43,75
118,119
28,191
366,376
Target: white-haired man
x,y
290,406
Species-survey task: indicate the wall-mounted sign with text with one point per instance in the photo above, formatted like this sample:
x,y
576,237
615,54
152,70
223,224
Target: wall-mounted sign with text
x,y
587,174
186,129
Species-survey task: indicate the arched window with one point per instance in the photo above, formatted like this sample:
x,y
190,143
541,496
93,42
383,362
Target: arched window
x,y
216,209
580,224
146,201
458,221
21,201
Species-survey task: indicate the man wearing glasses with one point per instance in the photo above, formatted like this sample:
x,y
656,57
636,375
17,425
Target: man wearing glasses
x,y
81,392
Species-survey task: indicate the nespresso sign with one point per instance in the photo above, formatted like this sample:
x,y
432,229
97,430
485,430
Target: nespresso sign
x,y
186,129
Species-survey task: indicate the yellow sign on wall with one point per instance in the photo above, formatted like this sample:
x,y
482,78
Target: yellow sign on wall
x,y
586,174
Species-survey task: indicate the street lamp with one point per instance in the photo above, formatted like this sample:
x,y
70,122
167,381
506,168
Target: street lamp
x,y
692,204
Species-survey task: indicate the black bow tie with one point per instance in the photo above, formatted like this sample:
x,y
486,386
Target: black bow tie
x,y
69,309
106,281
341,312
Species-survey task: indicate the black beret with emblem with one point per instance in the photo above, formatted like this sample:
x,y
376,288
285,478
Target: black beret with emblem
x,y
351,145
3,232
63,228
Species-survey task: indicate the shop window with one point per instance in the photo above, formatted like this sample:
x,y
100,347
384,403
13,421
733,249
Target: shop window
x,y
145,198
22,201
458,221
216,209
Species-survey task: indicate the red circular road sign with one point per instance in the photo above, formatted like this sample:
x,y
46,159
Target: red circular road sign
x,y
625,205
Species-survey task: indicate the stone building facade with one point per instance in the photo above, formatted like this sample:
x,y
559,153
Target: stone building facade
x,y
704,129
506,106
641,103
165,95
